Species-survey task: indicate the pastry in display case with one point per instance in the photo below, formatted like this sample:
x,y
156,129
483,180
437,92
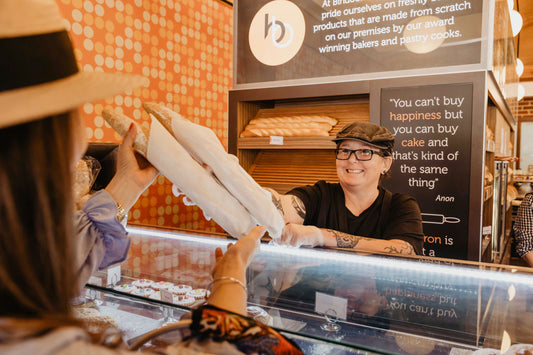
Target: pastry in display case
x,y
325,298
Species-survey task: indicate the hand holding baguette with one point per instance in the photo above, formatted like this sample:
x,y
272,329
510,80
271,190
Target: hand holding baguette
x,y
122,123
131,177
205,147
172,160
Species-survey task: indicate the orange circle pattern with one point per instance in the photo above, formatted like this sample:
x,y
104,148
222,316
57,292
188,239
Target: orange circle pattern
x,y
185,48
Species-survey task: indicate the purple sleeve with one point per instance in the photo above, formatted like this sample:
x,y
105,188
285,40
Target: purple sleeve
x,y
101,240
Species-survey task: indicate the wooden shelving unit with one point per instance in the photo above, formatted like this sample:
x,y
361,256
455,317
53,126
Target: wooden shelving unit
x,y
488,187
296,161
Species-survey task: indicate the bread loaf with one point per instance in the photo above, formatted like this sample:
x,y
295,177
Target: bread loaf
x,y
121,123
202,143
173,161
289,126
292,125
284,132
295,119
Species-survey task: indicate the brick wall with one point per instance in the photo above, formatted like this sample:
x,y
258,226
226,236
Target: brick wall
x,y
525,109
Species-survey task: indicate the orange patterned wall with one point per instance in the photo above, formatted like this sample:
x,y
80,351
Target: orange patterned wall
x,y
185,48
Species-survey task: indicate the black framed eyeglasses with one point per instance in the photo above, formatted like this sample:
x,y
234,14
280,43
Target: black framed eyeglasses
x,y
360,154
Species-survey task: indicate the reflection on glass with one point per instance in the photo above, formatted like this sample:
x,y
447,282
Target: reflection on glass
x,y
393,303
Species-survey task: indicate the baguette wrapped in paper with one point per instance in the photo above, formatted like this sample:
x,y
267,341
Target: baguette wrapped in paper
x,y
204,146
172,160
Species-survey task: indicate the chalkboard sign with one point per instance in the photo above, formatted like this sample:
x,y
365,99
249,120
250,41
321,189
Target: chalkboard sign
x,y
303,39
432,126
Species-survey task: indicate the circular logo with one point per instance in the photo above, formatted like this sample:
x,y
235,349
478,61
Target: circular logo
x,y
277,32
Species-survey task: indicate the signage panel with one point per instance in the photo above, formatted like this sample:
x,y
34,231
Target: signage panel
x,y
303,39
432,126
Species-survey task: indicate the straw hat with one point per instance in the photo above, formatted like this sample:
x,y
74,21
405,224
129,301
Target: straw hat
x,y
39,75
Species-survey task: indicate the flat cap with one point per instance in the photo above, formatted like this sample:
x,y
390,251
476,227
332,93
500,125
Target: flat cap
x,y
368,133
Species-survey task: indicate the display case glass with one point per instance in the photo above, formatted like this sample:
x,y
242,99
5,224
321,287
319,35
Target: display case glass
x,y
330,299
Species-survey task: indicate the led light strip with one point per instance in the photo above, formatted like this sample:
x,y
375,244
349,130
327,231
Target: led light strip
x,y
355,259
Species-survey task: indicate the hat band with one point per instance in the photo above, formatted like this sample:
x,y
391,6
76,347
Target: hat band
x,y
33,60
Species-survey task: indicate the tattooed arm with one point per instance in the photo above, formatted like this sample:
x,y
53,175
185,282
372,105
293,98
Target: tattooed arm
x,y
299,235
291,207
344,240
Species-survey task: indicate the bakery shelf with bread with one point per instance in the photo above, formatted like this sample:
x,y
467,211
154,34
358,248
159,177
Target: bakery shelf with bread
x,y
284,143
309,127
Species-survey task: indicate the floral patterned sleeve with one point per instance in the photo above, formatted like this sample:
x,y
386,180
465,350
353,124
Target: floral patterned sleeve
x,y
247,335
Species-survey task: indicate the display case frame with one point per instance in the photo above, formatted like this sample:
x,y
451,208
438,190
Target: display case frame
x,y
436,304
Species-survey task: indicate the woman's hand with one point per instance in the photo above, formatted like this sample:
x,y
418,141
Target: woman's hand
x,y
299,235
238,256
134,173
226,293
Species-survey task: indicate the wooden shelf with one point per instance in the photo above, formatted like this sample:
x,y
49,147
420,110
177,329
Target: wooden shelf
x,y
288,143
488,191
283,170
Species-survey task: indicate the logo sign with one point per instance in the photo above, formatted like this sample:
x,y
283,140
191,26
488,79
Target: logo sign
x,y
277,32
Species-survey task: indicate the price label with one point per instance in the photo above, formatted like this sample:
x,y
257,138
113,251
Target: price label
x,y
276,140
166,296
113,275
331,305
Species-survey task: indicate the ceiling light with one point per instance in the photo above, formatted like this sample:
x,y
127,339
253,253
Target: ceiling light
x,y
519,67
516,22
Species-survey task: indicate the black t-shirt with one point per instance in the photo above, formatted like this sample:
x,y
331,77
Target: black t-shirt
x,y
325,208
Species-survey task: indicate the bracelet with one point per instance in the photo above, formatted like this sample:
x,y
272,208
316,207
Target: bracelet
x,y
228,278
122,214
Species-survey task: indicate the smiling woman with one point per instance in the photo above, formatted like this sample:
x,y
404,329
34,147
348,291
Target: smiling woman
x,y
357,212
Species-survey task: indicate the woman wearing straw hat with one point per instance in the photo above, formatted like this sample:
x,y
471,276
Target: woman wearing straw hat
x,y
357,212
43,254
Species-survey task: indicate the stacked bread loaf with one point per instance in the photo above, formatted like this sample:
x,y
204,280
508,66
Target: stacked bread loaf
x,y
289,126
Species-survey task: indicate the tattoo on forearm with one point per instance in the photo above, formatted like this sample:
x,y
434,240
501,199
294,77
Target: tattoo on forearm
x,y
345,240
299,206
406,248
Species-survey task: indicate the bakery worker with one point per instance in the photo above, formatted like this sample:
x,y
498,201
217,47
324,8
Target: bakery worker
x,y
44,246
523,229
357,212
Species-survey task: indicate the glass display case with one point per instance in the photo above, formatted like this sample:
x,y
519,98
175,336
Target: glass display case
x,y
328,301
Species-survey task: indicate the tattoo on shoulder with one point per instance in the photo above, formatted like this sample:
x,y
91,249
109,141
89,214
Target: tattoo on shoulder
x,y
345,240
298,206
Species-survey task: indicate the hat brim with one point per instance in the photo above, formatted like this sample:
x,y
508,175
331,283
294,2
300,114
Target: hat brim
x,y
35,102
338,140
